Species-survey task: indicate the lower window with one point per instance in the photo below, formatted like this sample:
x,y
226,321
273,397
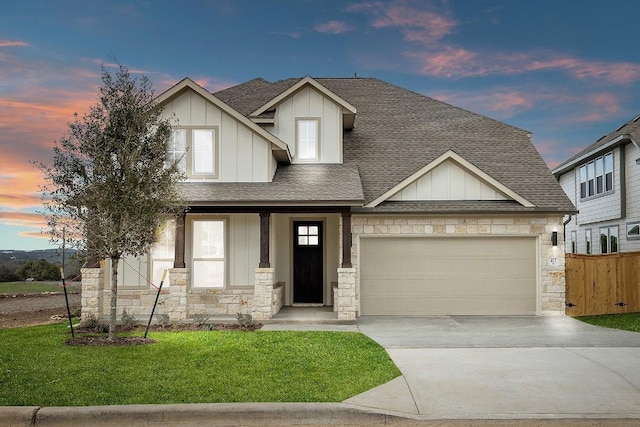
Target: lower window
x,y
609,240
208,253
162,252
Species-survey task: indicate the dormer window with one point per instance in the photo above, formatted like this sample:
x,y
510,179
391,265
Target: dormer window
x,y
196,148
307,139
596,177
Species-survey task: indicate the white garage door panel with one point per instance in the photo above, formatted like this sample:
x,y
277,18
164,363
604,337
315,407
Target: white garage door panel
x,y
429,276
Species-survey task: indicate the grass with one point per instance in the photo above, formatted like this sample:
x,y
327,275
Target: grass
x,y
13,288
189,367
626,321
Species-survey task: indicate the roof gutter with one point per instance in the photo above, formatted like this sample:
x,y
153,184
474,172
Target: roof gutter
x,y
625,137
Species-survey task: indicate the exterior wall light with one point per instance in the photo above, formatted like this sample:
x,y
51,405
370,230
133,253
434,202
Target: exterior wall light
x,y
554,238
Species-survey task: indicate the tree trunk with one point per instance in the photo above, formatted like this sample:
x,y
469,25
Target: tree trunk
x,y
113,315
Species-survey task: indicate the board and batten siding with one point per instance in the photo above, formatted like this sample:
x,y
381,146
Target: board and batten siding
x,y
448,181
244,155
244,248
308,103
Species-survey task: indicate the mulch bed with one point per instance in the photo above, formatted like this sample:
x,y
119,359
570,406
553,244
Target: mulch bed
x,y
88,337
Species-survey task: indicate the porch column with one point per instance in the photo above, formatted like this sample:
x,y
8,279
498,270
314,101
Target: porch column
x,y
179,248
346,239
264,240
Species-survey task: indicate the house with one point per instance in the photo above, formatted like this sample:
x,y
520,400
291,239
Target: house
x,y
603,182
352,193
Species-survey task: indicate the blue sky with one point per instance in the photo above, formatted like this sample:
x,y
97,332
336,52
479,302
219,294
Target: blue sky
x,y
566,70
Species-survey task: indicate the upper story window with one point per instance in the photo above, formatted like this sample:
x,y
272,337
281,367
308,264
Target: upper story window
x,y
596,177
307,139
196,150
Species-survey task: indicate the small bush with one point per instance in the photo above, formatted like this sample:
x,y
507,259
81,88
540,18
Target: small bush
x,y
163,320
200,319
91,322
245,320
129,320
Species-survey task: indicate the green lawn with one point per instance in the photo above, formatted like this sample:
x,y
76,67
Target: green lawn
x,y
14,288
189,367
626,322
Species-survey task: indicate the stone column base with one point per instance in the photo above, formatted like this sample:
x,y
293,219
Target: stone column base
x,y
346,298
263,294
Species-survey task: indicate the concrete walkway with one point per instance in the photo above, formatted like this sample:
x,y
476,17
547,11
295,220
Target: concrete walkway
x,y
505,368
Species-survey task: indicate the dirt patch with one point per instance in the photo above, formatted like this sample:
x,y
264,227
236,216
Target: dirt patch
x,y
35,309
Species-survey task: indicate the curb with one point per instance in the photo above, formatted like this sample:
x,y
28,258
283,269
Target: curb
x,y
259,414
209,414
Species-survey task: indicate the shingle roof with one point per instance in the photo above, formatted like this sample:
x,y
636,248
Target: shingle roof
x,y
397,132
335,183
632,128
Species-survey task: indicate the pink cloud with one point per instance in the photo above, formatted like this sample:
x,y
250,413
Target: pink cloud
x,y
13,43
451,62
332,27
416,22
506,102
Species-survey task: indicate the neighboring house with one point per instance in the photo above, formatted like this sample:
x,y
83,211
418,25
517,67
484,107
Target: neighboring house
x,y
603,182
352,193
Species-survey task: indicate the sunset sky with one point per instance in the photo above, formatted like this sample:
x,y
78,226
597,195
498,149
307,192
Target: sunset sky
x,y
566,70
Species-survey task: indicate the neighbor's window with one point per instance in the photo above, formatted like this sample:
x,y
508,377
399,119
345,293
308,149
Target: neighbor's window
x,y
574,242
596,177
587,240
208,253
196,150
609,240
307,139
633,230
163,251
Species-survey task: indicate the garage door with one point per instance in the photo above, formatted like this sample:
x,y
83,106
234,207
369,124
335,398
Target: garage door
x,y
438,276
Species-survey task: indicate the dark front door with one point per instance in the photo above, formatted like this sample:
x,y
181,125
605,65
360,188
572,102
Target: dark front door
x,y
307,262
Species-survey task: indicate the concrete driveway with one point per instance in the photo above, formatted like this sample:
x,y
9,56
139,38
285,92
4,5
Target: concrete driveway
x,y
458,367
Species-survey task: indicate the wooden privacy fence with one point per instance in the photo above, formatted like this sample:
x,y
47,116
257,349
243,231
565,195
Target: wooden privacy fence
x,y
602,284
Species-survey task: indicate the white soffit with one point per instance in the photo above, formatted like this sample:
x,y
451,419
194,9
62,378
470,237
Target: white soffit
x,y
465,165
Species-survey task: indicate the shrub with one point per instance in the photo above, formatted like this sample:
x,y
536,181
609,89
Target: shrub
x,y
129,320
245,320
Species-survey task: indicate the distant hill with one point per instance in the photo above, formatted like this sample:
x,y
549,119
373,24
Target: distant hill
x,y
13,258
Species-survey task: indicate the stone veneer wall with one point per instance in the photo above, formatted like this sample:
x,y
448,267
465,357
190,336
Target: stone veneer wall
x,y
551,277
178,301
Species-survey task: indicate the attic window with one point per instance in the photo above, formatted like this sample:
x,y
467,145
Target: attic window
x,y
307,139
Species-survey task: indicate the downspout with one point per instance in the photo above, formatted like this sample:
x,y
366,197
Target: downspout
x,y
564,231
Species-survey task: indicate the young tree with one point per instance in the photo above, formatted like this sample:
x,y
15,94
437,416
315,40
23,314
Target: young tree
x,y
109,186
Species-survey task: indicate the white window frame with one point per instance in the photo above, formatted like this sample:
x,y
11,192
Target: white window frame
x,y
191,158
196,261
163,252
606,235
588,247
574,242
300,135
596,177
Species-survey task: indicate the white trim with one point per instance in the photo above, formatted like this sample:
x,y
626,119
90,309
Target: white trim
x,y
451,155
305,81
